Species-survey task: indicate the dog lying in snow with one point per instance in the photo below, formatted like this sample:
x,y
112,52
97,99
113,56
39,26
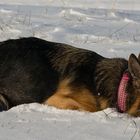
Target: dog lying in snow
x,y
59,75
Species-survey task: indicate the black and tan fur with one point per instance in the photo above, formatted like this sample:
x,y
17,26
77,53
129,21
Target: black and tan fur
x,y
34,70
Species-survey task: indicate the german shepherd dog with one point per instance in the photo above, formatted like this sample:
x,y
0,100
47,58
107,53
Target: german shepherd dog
x,y
60,75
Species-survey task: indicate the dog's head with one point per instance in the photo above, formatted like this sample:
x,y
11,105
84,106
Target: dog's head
x,y
134,69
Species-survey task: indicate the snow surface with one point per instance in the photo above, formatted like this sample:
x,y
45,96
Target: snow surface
x,y
109,27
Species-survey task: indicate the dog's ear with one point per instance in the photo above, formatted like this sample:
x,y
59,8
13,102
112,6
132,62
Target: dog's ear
x,y
134,66
139,57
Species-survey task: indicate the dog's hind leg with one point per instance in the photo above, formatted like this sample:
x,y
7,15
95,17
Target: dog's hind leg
x,y
70,97
63,102
3,103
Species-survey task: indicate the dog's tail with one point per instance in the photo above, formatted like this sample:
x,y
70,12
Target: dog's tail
x,y
3,103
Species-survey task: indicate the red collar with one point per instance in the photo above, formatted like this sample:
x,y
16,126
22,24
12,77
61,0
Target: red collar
x,y
122,93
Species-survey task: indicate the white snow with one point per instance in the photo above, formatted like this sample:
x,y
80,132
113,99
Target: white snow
x,y
109,27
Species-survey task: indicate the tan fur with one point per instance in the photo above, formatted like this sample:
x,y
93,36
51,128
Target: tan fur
x,y
85,98
103,103
134,108
67,97
76,98
60,99
63,102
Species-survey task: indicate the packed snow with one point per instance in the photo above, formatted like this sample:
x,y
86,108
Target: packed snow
x,y
109,27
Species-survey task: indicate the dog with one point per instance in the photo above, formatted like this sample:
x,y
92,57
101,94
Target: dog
x,y
66,77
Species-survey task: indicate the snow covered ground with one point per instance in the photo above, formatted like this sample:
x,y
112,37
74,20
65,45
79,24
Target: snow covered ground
x,y
109,27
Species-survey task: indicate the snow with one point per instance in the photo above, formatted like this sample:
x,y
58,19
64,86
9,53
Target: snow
x,y
109,27
38,122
